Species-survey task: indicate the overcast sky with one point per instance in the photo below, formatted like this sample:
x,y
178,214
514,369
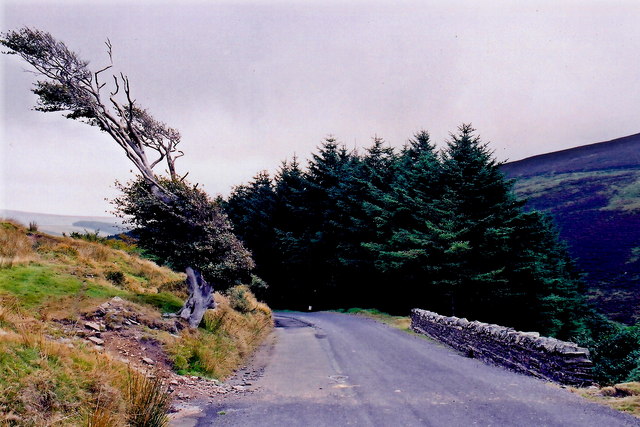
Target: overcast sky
x,y
250,83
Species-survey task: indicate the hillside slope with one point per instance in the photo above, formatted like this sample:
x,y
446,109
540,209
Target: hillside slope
x,y
83,339
593,193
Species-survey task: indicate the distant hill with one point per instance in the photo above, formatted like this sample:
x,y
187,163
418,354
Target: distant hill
x,y
593,192
58,224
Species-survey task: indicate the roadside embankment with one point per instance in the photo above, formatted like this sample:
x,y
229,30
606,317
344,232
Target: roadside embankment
x,y
83,338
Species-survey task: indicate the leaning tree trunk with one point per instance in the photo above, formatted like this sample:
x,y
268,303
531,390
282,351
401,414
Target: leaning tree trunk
x,y
200,298
200,291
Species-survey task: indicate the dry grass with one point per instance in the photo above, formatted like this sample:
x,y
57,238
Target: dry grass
x,y
15,246
622,397
85,260
95,259
49,378
228,337
148,401
45,382
399,322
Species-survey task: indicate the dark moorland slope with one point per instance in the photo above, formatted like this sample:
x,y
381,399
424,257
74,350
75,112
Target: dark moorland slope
x,y
593,193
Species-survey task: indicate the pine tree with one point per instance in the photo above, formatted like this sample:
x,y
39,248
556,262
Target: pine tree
x,y
503,264
329,195
250,208
401,212
291,221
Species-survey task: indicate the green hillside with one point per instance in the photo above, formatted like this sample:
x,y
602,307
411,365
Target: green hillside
x,y
83,339
593,193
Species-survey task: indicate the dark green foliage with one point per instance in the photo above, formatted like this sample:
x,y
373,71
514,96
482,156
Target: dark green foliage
x,y
615,349
252,208
395,231
190,230
402,214
442,231
116,277
88,236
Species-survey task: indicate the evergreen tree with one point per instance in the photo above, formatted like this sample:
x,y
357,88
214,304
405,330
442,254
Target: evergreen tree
x,y
291,221
369,177
401,213
250,208
503,264
329,184
418,229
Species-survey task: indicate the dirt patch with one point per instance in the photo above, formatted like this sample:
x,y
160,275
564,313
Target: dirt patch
x,y
129,333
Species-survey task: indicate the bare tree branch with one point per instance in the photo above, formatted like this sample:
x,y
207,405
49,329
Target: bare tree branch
x,y
109,50
72,88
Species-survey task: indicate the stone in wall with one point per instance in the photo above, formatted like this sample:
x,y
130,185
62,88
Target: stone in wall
x,y
526,352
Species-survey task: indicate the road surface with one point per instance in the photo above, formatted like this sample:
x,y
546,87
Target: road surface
x,y
331,369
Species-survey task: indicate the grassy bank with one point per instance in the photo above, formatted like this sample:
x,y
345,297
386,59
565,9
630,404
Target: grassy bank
x,y
56,370
622,397
400,322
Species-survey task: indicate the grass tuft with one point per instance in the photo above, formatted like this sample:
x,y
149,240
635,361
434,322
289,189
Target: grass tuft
x,y
148,401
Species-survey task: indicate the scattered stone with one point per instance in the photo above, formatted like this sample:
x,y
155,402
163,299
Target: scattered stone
x,y
174,382
148,361
96,340
93,325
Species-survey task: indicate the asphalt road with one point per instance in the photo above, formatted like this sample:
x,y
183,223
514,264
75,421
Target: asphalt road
x,y
330,369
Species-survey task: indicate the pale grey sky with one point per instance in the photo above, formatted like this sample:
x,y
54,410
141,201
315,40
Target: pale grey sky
x,y
249,83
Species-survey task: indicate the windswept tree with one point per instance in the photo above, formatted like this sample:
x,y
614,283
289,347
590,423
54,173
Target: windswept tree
x,y
177,221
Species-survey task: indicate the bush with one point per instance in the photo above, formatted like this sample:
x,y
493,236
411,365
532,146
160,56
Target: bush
x,y
614,348
88,236
241,299
115,277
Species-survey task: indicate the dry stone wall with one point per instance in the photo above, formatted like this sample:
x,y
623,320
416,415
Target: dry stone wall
x,y
525,352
